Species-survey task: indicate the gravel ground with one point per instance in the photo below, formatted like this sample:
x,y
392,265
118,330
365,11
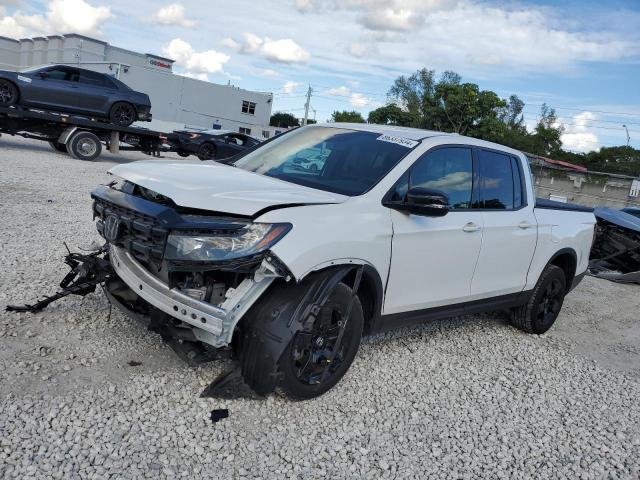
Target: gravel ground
x,y
463,398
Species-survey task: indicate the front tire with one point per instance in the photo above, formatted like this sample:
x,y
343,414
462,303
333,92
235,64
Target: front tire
x,y
540,312
298,370
8,93
122,114
305,360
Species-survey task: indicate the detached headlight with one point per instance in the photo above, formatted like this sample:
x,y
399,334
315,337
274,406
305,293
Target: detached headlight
x,y
252,239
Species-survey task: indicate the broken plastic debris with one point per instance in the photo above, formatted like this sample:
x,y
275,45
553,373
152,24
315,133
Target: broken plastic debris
x,y
219,414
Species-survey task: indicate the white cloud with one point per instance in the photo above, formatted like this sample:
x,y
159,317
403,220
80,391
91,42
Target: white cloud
x,y
194,62
174,14
577,136
471,36
282,51
289,87
359,100
9,27
252,43
230,43
340,91
361,49
63,16
305,5
390,19
267,72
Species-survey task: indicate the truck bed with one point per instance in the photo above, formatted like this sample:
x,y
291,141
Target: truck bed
x,y
553,205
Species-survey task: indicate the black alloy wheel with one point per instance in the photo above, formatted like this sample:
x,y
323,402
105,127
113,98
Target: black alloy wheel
x,y
550,302
319,355
8,93
122,114
207,151
543,307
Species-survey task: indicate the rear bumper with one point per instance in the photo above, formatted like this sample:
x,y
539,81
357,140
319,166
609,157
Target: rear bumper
x,y
211,324
144,114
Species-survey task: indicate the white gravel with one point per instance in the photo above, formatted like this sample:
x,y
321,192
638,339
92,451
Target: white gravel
x,y
463,398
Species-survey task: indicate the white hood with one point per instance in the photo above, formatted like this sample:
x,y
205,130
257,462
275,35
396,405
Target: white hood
x,y
217,187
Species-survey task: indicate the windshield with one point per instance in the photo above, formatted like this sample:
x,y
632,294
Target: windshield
x,y
348,162
34,69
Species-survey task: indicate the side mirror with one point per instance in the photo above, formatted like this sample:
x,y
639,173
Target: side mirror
x,y
422,201
43,75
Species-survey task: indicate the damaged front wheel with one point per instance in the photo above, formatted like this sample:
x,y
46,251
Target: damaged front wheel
x,y
319,356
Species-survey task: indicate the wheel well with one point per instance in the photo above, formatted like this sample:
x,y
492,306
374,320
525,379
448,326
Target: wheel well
x,y
566,260
15,85
123,101
369,293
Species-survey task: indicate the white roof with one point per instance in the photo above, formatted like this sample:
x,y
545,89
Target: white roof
x,y
405,132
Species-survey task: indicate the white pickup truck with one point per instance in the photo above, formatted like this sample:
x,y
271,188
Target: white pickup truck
x,y
289,266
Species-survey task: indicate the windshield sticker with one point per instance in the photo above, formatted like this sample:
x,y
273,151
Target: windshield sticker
x,y
405,142
24,79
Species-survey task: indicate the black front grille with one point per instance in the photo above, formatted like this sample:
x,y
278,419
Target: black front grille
x,y
141,235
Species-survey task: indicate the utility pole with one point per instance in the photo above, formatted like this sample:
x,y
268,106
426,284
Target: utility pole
x,y
628,137
306,106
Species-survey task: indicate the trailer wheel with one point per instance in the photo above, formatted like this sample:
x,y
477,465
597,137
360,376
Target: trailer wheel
x,y
60,147
84,146
8,93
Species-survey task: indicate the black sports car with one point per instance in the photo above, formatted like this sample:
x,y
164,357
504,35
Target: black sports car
x,y
210,144
75,90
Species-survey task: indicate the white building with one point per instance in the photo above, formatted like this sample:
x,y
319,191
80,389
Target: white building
x,y
177,101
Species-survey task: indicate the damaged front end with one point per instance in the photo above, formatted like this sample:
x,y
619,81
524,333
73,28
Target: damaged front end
x,y
190,275
615,254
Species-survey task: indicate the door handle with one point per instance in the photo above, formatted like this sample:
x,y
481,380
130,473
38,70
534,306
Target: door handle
x,y
471,227
524,225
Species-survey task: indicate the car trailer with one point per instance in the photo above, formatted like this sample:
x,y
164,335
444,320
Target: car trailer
x,y
80,137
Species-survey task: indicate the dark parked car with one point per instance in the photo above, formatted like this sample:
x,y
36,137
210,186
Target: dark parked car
x,y
75,90
210,144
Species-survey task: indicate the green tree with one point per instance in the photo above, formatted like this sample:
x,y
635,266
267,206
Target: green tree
x,y
390,114
346,116
283,120
546,137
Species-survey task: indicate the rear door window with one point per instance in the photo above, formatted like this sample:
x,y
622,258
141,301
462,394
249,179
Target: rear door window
x,y
496,181
63,73
96,79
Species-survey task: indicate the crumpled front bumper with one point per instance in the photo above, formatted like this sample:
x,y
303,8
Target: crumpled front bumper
x,y
212,324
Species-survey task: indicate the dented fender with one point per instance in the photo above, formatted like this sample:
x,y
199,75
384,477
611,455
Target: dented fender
x,y
286,309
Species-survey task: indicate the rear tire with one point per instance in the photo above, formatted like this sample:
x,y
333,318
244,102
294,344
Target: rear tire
x,y
207,151
60,147
84,146
8,93
122,114
541,310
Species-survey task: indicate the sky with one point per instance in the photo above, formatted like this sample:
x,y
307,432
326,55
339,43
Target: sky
x,y
580,57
